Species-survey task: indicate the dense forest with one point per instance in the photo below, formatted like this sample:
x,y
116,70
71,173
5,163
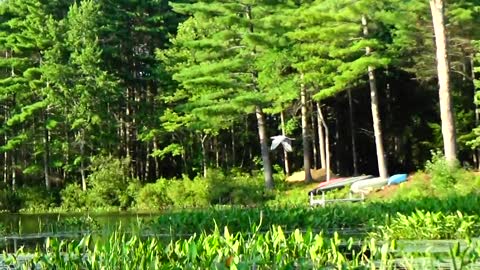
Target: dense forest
x,y
175,88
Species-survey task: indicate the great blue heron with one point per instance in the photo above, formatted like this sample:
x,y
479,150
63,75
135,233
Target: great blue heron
x,y
281,139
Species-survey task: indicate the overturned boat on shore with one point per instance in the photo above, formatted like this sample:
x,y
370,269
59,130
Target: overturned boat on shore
x,y
337,183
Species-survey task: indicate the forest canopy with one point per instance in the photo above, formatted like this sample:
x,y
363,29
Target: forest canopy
x,y
166,89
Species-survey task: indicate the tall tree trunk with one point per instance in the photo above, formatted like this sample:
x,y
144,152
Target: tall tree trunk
x,y
82,162
123,134
285,153
233,147
156,160
327,143
14,171
443,68
13,154
129,129
203,140
225,155
314,141
217,152
305,137
321,138
338,152
67,150
352,133
46,152
381,160
5,154
148,161
477,109
5,165
262,129
5,134
262,134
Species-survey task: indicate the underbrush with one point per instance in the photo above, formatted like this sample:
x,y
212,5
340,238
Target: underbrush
x,y
110,187
218,188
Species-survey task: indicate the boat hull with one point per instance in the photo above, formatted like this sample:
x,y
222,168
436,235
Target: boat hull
x,y
338,183
367,185
397,179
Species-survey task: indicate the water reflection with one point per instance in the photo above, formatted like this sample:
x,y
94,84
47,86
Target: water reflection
x,y
32,230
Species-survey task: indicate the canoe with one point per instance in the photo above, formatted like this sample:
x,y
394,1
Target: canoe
x,y
325,183
397,179
332,181
367,185
338,183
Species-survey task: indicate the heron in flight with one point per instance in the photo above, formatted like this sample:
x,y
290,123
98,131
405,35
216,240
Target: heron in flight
x,y
281,139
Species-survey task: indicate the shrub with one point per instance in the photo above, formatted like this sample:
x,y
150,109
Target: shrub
x,y
235,188
419,186
443,175
129,198
188,193
73,197
219,188
247,190
9,200
37,198
153,196
109,182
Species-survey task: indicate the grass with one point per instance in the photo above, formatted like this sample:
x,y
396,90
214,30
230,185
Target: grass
x,y
221,249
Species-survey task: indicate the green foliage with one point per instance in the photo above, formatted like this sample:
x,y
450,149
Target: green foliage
x,y
9,200
73,197
186,193
418,187
37,198
109,181
428,225
444,176
357,218
217,189
236,188
221,249
153,196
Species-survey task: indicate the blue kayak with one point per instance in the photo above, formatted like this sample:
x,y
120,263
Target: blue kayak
x,y
397,179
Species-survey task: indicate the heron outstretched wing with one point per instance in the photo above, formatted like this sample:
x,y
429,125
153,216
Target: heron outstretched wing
x,y
276,141
281,139
287,145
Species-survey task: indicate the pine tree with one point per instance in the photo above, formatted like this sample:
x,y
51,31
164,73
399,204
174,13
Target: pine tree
x,y
342,30
24,37
80,86
224,69
131,32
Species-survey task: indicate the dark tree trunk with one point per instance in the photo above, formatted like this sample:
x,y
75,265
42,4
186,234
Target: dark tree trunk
x,y
352,133
305,134
82,162
314,141
285,153
203,141
477,109
262,134
46,152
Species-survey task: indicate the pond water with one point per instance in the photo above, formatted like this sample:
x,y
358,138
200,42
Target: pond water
x,y
28,230
32,230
